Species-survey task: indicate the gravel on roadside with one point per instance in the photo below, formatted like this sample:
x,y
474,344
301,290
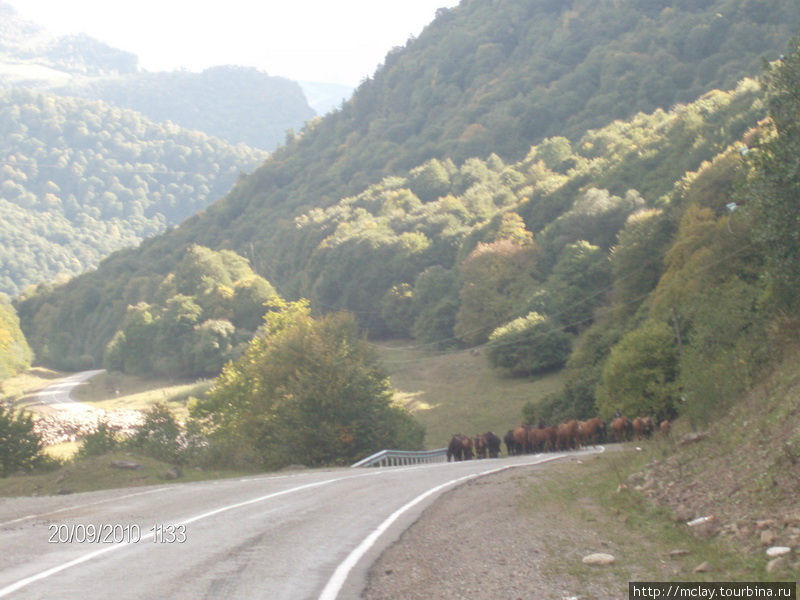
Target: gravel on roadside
x,y
474,543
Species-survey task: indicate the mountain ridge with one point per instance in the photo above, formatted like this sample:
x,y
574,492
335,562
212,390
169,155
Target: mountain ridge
x,y
240,105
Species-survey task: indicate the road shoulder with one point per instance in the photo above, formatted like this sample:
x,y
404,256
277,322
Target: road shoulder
x,y
523,534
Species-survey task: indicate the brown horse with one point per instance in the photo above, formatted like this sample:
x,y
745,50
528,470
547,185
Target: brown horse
x,y
642,427
466,445
460,448
566,435
536,439
481,445
550,438
492,444
508,438
622,428
521,439
664,427
592,431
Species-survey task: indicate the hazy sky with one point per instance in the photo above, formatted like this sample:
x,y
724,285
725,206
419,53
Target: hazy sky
x,y
337,41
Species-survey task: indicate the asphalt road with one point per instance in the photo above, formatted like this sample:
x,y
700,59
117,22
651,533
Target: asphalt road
x,y
302,535
58,395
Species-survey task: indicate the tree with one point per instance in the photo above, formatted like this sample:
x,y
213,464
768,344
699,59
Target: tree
x,y
636,259
640,375
429,181
436,305
211,346
15,354
308,391
160,434
772,192
724,348
497,284
190,329
397,309
131,348
578,281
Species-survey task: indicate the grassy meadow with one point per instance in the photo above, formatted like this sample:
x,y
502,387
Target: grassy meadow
x,y
458,392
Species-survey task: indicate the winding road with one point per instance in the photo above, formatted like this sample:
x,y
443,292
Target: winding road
x,y
59,394
301,535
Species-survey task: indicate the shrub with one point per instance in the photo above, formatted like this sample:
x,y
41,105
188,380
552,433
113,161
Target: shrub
x,y
101,441
529,345
20,445
160,435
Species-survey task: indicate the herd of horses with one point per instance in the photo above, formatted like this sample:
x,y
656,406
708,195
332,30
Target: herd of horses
x,y
570,435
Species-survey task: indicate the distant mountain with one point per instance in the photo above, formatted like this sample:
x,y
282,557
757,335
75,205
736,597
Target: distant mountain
x,y
29,54
83,176
239,105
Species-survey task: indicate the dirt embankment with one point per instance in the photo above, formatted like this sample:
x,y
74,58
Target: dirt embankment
x,y
523,535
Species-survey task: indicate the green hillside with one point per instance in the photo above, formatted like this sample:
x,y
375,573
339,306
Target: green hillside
x,y
81,179
396,254
428,101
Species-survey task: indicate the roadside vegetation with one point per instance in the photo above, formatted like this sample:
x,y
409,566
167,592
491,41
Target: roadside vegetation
x,y
15,354
306,391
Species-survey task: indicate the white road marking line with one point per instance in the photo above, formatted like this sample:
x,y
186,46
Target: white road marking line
x,y
337,580
161,489
339,576
87,557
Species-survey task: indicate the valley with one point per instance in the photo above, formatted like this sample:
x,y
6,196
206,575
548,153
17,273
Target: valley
x,y
533,212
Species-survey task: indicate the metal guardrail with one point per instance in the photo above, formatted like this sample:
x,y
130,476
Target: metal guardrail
x,y
398,458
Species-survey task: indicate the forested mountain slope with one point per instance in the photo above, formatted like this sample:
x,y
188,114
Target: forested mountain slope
x,y
80,179
439,98
353,212
446,253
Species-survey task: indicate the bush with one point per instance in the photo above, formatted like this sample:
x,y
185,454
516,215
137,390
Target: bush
x,y
101,441
20,445
160,435
528,345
